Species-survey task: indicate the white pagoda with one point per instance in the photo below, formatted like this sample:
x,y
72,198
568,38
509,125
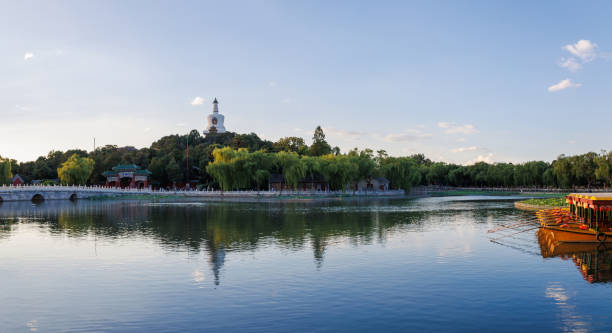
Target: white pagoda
x,y
214,121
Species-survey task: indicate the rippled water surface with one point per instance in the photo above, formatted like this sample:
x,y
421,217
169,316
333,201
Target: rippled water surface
x,y
352,265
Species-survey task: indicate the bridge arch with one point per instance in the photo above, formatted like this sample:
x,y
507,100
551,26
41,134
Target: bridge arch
x,y
73,197
38,198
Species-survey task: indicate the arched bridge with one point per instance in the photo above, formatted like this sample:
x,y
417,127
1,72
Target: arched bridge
x,y
39,193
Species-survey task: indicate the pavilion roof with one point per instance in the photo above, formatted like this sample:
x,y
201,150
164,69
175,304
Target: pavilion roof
x,y
130,167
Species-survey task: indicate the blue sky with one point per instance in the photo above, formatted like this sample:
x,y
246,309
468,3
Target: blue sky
x,y
458,81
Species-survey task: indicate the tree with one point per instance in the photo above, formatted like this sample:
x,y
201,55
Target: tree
x,y
319,146
604,167
76,170
311,167
292,168
366,167
291,143
173,171
585,168
402,172
5,171
563,171
221,168
339,170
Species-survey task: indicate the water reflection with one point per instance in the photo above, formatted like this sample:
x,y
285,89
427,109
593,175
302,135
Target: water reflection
x,y
594,261
216,229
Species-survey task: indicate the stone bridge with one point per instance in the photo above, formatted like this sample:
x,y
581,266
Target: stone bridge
x,y
39,193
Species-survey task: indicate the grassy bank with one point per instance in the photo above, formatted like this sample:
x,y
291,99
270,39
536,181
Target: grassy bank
x,y
548,202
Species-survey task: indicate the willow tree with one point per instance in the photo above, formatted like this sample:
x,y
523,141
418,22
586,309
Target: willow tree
x,y
221,169
604,167
402,172
339,170
76,170
5,171
292,166
312,166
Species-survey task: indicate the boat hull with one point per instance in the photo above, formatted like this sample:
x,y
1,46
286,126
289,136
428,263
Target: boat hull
x,y
577,235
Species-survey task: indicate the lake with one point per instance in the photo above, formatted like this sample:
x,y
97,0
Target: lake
x,y
329,266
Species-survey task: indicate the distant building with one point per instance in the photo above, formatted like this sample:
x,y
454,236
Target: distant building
x,y
214,121
374,184
315,182
129,175
17,180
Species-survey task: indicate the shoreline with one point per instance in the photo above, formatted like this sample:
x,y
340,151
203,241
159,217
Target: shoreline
x,y
529,207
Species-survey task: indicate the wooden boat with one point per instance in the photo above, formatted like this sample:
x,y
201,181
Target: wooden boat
x,y
593,260
587,219
553,244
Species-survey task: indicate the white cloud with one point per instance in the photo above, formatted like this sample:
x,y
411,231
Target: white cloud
x,y
197,101
28,55
198,276
563,84
452,128
342,133
286,100
571,64
272,84
481,158
408,135
464,149
583,49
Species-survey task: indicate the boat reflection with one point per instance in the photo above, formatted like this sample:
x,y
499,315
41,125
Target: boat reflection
x,y
593,260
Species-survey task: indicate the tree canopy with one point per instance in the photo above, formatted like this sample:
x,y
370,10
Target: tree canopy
x,y
231,161
5,171
76,170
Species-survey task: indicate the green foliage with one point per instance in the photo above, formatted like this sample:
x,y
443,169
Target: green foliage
x,y
76,170
319,146
555,202
402,172
293,169
5,171
339,170
292,144
167,159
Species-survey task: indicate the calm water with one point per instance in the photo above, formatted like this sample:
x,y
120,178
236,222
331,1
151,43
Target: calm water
x,y
390,265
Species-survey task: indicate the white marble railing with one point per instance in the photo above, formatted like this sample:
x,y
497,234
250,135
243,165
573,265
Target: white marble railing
x,y
70,188
114,190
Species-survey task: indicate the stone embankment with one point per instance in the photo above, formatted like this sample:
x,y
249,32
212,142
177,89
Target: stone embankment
x,y
27,193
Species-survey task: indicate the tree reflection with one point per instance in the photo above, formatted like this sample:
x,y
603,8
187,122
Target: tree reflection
x,y
218,229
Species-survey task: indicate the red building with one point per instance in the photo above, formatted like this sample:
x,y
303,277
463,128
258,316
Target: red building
x,y
127,176
17,180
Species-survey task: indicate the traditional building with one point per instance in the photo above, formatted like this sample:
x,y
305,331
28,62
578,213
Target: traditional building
x,y
130,175
214,121
374,184
17,180
315,182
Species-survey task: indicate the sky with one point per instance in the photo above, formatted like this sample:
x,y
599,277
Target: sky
x,y
459,81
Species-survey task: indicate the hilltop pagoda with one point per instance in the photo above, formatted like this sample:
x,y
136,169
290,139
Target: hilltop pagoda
x,y
214,121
